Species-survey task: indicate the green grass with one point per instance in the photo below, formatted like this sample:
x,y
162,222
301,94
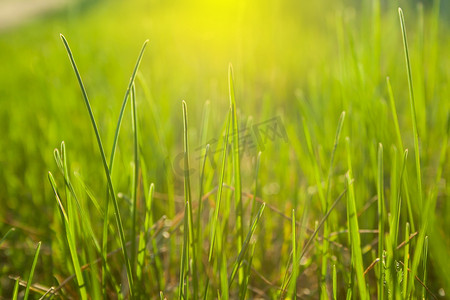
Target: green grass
x,y
33,267
256,196
353,229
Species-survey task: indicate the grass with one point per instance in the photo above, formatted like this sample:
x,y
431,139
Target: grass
x,y
256,196
353,229
106,169
33,267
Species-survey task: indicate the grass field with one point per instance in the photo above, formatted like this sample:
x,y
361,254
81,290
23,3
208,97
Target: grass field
x,y
248,149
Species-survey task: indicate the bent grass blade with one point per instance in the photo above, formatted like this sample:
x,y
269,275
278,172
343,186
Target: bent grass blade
x,y
70,240
105,166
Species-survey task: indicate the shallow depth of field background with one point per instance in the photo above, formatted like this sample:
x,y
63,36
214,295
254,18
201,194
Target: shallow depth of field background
x,y
291,59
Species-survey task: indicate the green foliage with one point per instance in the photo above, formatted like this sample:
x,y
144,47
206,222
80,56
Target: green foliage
x,y
188,199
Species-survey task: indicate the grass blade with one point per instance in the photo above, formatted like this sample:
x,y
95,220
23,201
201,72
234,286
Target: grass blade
x,y
15,295
424,264
334,283
397,208
412,106
124,103
33,267
134,189
236,168
201,189
182,288
85,224
11,230
143,235
293,288
406,264
215,225
400,147
353,228
70,240
312,237
245,245
187,198
381,221
328,203
106,168
394,115
111,162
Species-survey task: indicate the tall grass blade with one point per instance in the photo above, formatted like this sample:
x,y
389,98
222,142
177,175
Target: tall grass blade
x,y
244,288
71,211
203,135
353,228
236,168
426,216
187,197
134,189
205,124
427,207
111,162
295,267
424,265
257,187
311,238
124,103
394,115
381,221
215,225
70,240
323,202
334,283
199,231
328,203
143,235
412,107
400,148
315,165
200,198
33,267
106,168
222,266
183,285
15,295
395,214
245,246
405,291
85,224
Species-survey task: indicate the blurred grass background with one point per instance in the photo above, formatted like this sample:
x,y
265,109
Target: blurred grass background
x,y
291,59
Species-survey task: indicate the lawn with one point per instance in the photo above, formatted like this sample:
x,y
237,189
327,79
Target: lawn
x,y
226,149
